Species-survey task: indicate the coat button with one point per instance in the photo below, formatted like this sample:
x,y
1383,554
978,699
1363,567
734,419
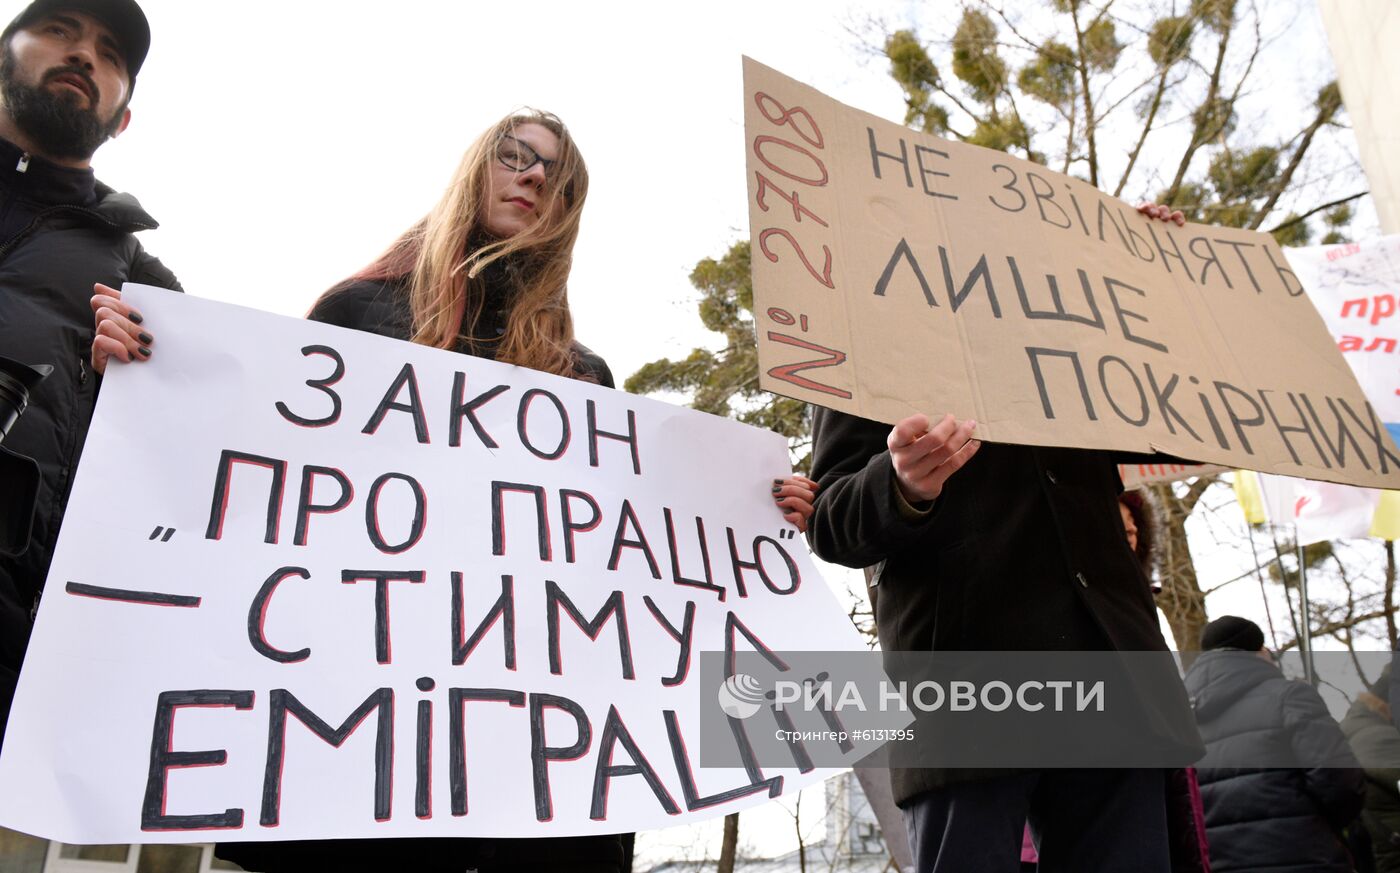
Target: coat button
x,y
1050,474
1082,581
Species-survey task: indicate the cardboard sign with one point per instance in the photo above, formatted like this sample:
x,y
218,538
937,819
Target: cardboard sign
x,y
315,583
896,272
1138,475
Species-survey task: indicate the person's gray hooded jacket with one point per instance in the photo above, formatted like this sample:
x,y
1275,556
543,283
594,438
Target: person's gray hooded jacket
x,y
1278,781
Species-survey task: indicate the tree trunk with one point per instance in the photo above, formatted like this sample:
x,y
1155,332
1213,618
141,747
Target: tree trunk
x,y
1181,600
1390,595
1090,121
730,844
801,844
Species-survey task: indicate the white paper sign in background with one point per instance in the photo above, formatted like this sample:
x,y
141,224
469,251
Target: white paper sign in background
x,y
1356,289
313,583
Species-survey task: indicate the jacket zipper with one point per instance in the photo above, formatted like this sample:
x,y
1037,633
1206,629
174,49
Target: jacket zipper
x,y
21,167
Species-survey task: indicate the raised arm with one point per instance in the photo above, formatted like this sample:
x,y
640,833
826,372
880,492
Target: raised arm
x,y
880,486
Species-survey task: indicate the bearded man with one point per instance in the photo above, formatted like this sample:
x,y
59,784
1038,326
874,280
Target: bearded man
x,y
67,69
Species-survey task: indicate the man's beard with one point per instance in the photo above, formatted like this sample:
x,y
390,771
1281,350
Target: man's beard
x,y
59,125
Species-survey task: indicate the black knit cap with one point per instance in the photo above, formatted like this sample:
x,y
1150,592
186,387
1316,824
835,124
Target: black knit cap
x,y
123,17
1232,632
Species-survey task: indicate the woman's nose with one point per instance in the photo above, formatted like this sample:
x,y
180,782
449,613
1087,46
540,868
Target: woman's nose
x,y
534,176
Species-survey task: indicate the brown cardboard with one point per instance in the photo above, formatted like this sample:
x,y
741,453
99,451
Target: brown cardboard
x,y
1139,474
1195,341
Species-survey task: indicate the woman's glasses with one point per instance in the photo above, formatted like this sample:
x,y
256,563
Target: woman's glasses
x,y
518,155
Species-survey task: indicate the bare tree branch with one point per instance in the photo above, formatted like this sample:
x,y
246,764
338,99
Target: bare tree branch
x,y
1024,128
1195,490
1082,65
1146,129
1315,210
1389,600
1010,25
1199,135
1285,179
1333,627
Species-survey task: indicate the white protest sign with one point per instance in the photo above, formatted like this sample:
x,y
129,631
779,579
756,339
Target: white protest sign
x,y
313,583
1354,287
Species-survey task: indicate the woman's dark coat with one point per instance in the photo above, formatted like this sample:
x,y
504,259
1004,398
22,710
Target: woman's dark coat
x,y
382,308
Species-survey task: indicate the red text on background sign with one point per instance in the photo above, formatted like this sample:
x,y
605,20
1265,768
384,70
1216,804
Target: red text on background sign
x,y
814,173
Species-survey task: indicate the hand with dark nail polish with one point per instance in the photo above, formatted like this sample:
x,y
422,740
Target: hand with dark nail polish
x,y
794,497
115,332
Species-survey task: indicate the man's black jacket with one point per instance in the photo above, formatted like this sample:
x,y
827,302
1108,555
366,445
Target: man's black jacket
x,y
1023,551
48,266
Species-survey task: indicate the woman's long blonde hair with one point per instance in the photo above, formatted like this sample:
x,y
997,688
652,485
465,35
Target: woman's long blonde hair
x,y
443,257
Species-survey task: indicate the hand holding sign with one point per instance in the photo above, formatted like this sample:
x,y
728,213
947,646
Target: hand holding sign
x,y
119,331
1163,213
794,496
924,457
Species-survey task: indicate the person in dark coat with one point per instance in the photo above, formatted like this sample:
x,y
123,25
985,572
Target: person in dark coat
x,y
1186,827
67,70
483,274
1278,780
1186,834
1371,731
1001,548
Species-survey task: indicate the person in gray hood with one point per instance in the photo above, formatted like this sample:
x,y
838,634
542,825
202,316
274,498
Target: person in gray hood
x,y
1376,741
1279,782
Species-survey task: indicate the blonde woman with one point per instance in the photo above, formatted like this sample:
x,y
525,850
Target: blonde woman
x,y
485,274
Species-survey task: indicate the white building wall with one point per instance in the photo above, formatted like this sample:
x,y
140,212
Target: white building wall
x,y
1364,36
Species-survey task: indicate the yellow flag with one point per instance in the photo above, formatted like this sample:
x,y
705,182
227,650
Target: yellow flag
x,y
1386,523
1251,498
